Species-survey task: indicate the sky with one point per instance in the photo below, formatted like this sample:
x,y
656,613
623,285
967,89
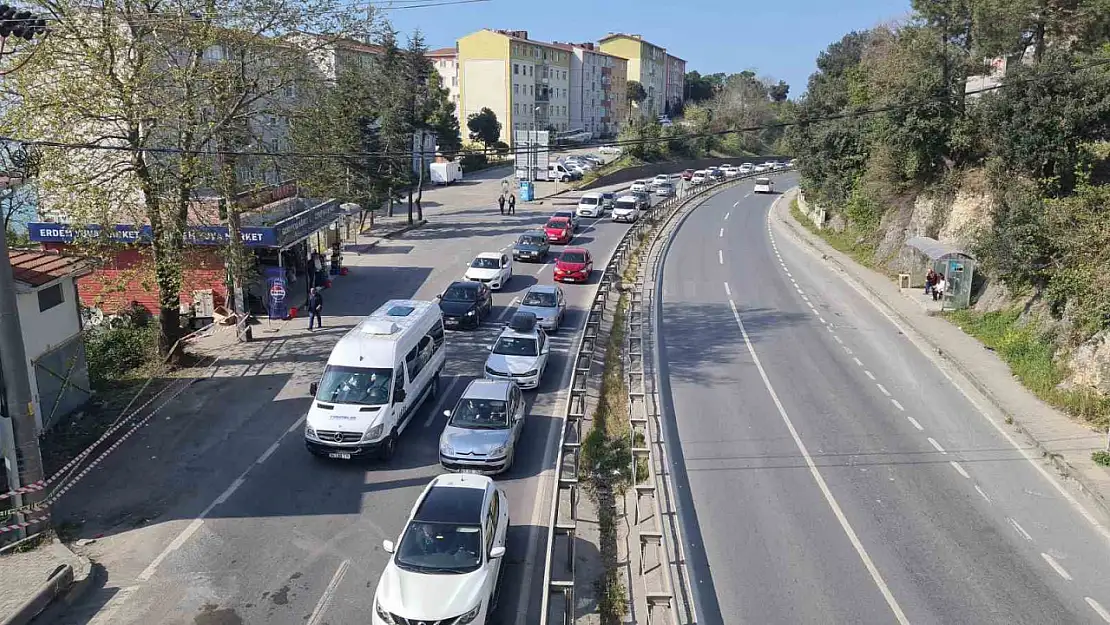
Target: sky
x,y
777,38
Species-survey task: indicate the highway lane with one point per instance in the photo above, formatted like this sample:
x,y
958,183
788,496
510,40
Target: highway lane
x,y
867,488
296,538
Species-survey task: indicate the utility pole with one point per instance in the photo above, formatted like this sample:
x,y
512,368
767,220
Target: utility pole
x,y
20,444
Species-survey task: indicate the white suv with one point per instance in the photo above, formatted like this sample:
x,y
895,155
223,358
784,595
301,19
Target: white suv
x,y
446,565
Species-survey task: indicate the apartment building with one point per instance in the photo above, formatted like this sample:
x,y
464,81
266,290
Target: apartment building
x,y
526,83
598,100
647,64
446,63
675,82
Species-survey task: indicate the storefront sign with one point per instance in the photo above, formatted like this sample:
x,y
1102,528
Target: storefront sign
x,y
294,228
121,233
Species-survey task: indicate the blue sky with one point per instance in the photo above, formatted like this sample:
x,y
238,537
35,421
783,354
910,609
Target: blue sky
x,y
779,38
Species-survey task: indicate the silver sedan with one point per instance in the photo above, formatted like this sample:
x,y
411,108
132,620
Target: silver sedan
x,y
548,303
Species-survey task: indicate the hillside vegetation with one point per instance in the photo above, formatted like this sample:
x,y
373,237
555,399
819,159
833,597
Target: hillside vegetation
x,y
893,140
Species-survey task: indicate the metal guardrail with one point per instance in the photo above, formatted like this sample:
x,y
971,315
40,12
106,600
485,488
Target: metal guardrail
x,y
559,529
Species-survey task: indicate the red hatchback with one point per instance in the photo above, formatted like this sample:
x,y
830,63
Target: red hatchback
x,y
558,230
687,174
574,265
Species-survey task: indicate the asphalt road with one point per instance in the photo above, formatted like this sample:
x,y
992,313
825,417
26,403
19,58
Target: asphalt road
x,y
247,527
836,475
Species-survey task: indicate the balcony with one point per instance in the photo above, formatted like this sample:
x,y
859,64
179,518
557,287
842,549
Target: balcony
x,y
543,96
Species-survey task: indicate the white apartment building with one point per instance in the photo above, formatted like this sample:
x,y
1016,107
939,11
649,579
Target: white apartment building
x,y
446,63
593,105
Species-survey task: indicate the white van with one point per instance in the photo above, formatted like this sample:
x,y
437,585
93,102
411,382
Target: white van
x,y
764,185
558,171
590,205
376,378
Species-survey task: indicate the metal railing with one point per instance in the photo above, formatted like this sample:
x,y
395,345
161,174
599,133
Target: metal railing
x,y
562,522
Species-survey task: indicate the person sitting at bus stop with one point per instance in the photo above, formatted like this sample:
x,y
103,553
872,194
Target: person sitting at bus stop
x,y
315,309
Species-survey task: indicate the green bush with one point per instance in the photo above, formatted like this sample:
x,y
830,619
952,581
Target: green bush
x,y
472,161
114,352
1101,457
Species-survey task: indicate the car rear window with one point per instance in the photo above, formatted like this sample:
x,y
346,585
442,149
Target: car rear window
x,y
557,223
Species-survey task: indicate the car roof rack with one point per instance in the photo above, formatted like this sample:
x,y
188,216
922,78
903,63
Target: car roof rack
x,y
523,322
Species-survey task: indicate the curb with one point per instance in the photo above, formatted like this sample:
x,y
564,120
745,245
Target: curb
x,y
1062,466
65,585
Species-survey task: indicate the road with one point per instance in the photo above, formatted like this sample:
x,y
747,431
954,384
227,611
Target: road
x,y
835,474
215,514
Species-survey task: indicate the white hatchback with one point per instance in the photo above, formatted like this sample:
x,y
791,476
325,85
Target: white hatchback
x,y
446,566
699,177
492,268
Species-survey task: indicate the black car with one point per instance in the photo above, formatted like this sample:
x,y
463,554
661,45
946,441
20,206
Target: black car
x,y
531,246
643,199
465,304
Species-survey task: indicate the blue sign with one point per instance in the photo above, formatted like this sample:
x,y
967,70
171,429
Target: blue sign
x,y
277,304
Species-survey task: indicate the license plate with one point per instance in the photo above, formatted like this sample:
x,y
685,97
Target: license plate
x,y
339,455
469,471
569,279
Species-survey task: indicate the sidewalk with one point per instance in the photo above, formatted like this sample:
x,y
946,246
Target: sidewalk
x,y
1062,441
31,580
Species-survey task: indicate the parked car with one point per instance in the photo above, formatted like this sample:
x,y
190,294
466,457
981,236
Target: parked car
x,y
687,174
574,265
520,352
764,185
531,246
557,171
465,304
548,303
626,209
643,199
609,149
446,565
571,216
665,189
699,177
483,429
607,200
640,185
558,230
492,268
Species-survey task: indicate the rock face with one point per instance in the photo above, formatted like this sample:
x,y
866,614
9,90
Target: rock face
x,y
1089,365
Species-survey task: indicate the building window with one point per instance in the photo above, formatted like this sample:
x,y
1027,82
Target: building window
x,y
516,87
516,69
50,297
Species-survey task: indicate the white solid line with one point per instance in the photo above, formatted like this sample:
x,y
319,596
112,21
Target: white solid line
x,y
838,339
726,216
269,452
936,445
897,404
443,395
720,257
1020,530
728,291
982,494
541,269
858,362
959,469
915,424
882,389
868,373
722,233
329,592
508,309
1097,607
1061,571
829,498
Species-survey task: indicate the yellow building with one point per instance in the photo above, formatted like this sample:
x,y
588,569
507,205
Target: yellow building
x,y
647,64
525,83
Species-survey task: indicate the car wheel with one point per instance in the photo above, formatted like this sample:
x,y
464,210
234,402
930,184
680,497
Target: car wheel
x,y
390,447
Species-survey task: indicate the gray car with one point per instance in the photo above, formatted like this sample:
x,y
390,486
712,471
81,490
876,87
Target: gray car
x,y
547,303
483,429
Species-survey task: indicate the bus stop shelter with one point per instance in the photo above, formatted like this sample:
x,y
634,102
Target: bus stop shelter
x,y
956,265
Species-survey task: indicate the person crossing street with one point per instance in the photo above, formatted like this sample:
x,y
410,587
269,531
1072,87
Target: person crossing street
x,y
501,203
512,204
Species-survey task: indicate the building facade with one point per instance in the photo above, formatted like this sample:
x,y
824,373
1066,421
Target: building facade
x,y
526,83
647,64
597,89
675,82
446,63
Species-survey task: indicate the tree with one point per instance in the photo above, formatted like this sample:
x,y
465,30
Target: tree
x,y
778,92
697,88
636,95
484,127
19,162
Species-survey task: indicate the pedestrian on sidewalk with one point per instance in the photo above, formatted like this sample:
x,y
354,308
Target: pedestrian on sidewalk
x,y
315,309
501,203
938,290
930,281
512,203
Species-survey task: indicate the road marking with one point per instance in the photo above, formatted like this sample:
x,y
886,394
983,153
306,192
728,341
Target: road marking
x,y
747,195
882,389
805,298
728,291
508,309
868,373
936,445
799,290
915,424
837,338
1097,607
541,270
858,362
195,524
810,304
897,404
443,395
982,494
959,469
734,205
1020,530
267,453
329,593
847,350
1061,571
792,281
720,257
829,498
722,233
726,215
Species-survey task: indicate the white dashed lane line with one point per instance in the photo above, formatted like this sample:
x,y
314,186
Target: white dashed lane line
x,y
936,445
982,494
915,424
728,291
1019,529
959,469
868,373
882,389
1097,607
897,404
1061,571
720,257
726,216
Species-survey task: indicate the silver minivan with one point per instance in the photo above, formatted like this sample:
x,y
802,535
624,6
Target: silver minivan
x,y
483,429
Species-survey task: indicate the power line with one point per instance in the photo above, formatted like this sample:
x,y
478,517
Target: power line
x,y
533,150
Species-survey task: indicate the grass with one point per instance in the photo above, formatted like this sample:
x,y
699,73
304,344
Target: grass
x,y
1031,359
850,242
1101,458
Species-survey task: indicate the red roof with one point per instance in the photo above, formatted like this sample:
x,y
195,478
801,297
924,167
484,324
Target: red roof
x,y
36,268
442,52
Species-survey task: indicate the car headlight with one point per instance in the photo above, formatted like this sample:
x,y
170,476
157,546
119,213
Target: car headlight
x,y
374,432
469,616
309,431
532,372
499,450
470,313
490,370
383,615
